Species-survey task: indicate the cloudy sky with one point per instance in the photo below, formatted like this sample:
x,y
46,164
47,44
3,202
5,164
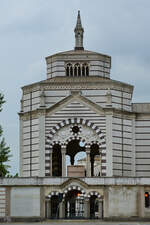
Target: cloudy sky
x,y
30,30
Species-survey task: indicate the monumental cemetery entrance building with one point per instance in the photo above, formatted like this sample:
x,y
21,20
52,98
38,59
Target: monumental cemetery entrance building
x,y
79,109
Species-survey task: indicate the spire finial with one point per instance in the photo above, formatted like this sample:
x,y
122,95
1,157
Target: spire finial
x,y
79,34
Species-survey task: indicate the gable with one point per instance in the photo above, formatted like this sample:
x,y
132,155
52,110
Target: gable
x,y
76,107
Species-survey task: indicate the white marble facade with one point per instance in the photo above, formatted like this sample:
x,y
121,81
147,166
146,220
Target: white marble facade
x,y
79,92
79,108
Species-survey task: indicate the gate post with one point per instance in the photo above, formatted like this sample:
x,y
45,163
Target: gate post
x,y
100,208
86,208
62,209
49,208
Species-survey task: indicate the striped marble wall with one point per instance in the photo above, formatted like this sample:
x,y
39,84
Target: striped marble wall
x,y
53,96
119,99
2,201
55,68
72,110
97,68
122,146
30,148
31,101
142,142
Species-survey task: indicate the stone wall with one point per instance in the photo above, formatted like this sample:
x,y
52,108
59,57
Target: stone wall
x,y
122,197
25,202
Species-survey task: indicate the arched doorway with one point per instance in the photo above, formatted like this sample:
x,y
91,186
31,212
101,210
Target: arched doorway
x,y
57,161
73,149
74,205
93,207
54,207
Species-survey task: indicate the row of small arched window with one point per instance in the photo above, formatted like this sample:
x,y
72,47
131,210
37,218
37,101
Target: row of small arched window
x,y
77,70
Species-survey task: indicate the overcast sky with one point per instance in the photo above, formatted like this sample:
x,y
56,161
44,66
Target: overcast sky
x,y
30,30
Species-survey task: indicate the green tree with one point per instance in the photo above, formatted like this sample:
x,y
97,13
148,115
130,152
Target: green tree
x,y
4,150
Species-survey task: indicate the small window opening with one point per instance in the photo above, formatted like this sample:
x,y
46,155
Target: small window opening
x,y
87,71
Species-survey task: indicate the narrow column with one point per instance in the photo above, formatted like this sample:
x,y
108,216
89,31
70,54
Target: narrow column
x,y
86,208
109,146
42,143
100,208
88,166
62,210
63,152
51,162
141,202
49,209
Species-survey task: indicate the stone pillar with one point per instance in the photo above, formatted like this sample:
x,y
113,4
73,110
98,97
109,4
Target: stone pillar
x,y
51,162
21,145
49,209
100,208
141,202
88,165
86,208
42,202
42,143
62,209
109,146
106,202
63,152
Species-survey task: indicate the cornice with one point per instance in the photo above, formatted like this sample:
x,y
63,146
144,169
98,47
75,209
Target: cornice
x,y
95,83
34,114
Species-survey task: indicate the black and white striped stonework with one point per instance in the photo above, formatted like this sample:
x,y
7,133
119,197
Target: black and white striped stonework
x,y
80,121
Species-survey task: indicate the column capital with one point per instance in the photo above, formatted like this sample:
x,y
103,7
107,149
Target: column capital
x,y
63,150
87,149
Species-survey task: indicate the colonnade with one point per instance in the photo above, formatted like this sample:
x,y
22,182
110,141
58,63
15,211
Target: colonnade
x,y
86,214
63,154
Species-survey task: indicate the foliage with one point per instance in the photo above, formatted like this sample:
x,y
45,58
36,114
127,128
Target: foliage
x,y
4,149
2,101
11,176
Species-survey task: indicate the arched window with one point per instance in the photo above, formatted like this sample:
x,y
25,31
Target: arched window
x,y
69,70
75,71
87,71
83,70
79,71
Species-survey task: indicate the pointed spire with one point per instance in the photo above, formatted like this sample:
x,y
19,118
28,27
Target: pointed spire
x,y
79,34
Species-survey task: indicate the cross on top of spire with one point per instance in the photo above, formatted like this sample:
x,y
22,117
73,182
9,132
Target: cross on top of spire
x,y
79,34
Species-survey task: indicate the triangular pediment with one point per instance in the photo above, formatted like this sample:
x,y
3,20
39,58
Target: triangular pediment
x,y
74,103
